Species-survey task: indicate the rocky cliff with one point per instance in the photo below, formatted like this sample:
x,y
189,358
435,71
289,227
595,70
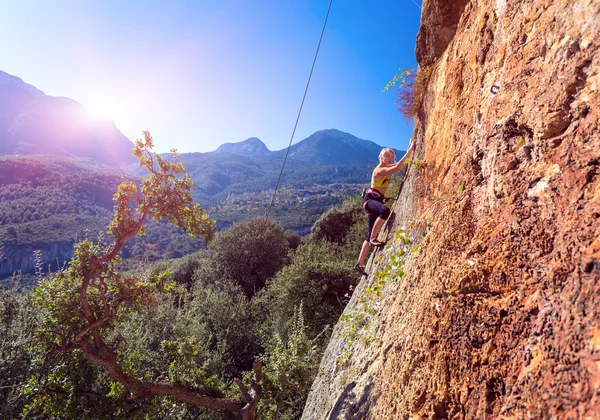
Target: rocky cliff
x,y
487,304
21,259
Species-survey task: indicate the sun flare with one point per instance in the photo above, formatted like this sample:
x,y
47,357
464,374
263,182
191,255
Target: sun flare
x,y
102,111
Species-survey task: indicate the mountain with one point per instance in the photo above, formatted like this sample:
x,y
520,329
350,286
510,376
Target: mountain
x,y
325,147
32,122
334,147
248,147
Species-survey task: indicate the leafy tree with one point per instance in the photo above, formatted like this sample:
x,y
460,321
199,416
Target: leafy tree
x,y
335,223
83,303
320,278
249,253
293,238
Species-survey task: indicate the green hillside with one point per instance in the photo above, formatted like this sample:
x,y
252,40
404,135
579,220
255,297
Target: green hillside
x,y
51,198
46,202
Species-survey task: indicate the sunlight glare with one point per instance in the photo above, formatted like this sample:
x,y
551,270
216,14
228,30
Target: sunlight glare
x,y
102,111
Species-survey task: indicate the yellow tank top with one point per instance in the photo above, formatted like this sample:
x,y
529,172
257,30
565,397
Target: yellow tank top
x,y
382,183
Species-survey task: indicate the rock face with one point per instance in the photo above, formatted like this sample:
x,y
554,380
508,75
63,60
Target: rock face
x,y
439,20
15,259
498,312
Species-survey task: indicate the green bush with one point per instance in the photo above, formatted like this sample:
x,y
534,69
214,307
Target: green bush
x,y
335,223
19,321
291,365
249,253
319,278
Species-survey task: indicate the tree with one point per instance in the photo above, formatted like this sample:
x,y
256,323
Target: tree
x,y
83,303
335,223
320,278
293,238
249,253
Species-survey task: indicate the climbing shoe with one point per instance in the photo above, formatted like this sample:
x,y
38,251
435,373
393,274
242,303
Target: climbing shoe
x,y
376,242
360,269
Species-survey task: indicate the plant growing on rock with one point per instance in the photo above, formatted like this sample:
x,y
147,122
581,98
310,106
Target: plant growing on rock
x,y
83,303
410,85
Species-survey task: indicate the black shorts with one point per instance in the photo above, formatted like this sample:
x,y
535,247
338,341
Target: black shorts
x,y
375,209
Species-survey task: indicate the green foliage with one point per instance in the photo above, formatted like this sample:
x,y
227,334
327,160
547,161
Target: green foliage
x,y
230,321
319,278
400,78
416,163
410,85
83,303
18,322
290,367
335,223
293,238
249,253
165,194
171,342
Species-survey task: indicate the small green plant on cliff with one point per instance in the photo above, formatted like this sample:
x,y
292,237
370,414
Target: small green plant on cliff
x,y
410,86
358,320
416,163
84,304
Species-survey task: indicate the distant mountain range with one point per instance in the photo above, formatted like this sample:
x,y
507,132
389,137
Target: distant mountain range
x,y
326,157
32,122
325,147
59,168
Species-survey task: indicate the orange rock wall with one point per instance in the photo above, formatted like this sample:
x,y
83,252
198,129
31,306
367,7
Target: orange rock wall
x,y
498,314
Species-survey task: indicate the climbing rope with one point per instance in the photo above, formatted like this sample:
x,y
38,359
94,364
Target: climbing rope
x,y
299,112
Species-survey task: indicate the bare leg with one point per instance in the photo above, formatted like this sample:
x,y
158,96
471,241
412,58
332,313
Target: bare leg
x,y
364,251
366,246
377,227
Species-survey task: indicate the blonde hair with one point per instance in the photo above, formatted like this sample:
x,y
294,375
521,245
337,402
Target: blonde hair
x,y
384,151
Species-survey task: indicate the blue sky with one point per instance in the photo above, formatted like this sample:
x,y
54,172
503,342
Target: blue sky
x,y
200,73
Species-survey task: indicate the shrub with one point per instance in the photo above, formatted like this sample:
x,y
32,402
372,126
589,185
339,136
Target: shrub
x,y
335,223
319,278
291,365
410,85
249,253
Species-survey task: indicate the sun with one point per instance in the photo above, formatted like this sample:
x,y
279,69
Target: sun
x,y
101,111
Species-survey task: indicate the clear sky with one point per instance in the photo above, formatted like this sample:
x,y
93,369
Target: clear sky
x,y
199,73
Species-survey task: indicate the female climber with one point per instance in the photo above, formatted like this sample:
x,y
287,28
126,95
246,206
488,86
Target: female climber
x,y
373,200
